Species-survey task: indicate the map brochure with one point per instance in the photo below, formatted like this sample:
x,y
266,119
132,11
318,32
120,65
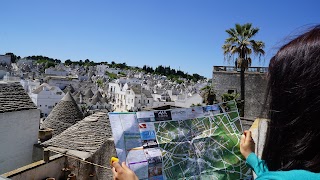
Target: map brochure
x,y
200,142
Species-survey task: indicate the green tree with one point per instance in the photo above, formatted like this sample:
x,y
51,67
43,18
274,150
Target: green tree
x,y
49,64
208,94
228,97
100,83
240,44
111,75
68,62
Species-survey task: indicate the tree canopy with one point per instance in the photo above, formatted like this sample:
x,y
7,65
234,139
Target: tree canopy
x,y
172,73
208,94
240,44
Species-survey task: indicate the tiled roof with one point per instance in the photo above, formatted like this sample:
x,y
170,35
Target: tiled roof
x,y
147,93
95,99
88,93
98,94
14,98
69,88
40,88
104,100
87,135
136,89
65,114
78,94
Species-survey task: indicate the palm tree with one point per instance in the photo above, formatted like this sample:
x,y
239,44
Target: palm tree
x,y
240,44
208,95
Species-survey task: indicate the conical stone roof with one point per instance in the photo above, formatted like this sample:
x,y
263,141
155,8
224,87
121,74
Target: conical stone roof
x,y
68,88
65,114
78,94
104,100
95,100
98,94
88,93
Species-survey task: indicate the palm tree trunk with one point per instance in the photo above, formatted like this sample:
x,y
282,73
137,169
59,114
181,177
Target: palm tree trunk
x,y
242,91
242,84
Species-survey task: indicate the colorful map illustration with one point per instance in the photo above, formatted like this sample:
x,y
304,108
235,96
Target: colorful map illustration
x,y
185,143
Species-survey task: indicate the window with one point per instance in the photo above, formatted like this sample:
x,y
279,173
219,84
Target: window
x,y
45,105
40,105
148,101
58,93
139,101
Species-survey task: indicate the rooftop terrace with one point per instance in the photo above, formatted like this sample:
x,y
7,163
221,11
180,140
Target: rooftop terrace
x,y
234,69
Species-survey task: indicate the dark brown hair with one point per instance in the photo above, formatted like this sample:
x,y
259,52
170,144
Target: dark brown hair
x,y
293,136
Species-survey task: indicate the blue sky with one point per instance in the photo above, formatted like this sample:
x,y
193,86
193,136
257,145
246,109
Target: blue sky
x,y
185,34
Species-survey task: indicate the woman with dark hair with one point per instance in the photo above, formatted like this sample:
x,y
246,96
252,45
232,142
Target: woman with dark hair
x,y
292,147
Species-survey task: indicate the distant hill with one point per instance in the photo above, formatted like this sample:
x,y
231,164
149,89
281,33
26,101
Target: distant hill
x,y
172,74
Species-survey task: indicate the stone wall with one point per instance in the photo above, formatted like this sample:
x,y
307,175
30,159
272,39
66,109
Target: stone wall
x,y
39,170
255,89
102,157
83,171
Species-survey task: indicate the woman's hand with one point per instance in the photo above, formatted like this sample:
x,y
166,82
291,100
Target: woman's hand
x,y
246,144
123,172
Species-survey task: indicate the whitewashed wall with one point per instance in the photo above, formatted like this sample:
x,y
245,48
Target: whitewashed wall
x,y
18,134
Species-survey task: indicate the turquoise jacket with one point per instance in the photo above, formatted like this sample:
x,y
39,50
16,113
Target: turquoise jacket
x,y
260,168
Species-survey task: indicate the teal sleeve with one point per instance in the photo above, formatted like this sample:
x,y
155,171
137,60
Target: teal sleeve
x,y
259,166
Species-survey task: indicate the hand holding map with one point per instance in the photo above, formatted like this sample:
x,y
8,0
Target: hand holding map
x,y
185,143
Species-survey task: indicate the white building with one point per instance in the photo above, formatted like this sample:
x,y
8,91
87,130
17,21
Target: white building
x,y
124,80
61,81
29,85
19,125
5,59
139,75
125,97
99,103
46,97
138,98
187,101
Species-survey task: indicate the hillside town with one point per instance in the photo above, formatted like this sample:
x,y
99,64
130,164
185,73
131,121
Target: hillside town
x,y
94,90
63,109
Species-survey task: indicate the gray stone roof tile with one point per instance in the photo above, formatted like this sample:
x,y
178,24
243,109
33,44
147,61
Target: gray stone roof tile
x,y
88,93
65,114
95,99
87,135
98,94
69,88
147,93
40,88
14,98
